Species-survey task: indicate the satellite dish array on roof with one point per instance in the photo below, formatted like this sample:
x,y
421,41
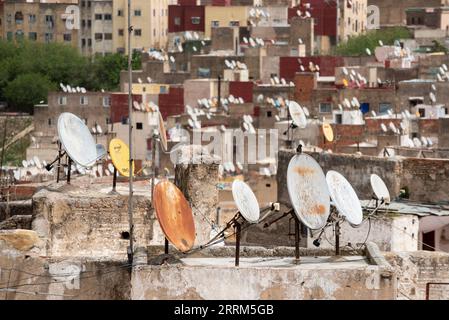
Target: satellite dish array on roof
x,y
68,89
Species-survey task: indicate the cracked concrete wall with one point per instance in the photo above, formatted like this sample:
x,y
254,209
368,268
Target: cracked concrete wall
x,y
199,182
290,283
24,275
415,269
88,223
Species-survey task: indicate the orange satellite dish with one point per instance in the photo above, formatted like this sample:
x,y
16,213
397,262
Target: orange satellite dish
x,y
174,215
345,82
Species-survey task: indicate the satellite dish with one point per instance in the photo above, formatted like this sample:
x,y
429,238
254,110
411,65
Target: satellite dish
x,y
119,152
417,142
328,132
383,127
392,127
308,191
297,114
174,215
77,140
111,167
245,201
373,113
277,118
390,113
172,59
368,51
424,141
407,114
306,111
381,43
432,96
37,162
25,163
380,189
191,124
344,198
162,132
245,40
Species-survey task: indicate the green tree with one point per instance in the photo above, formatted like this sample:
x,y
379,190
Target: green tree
x,y
26,90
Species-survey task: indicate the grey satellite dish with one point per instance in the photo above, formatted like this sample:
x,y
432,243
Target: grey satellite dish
x,y
297,114
25,163
308,191
344,198
380,189
417,142
77,140
37,162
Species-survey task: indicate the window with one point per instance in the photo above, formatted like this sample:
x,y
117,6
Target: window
x,y
19,35
67,37
83,42
108,120
384,107
106,102
83,4
98,36
162,89
88,4
325,107
32,18
121,32
177,21
196,20
138,32
234,23
108,36
83,23
269,114
84,100
19,17
422,112
98,16
338,118
215,24
124,120
120,13
139,126
32,36
89,42
48,37
62,101
89,23
49,122
137,13
107,16
49,21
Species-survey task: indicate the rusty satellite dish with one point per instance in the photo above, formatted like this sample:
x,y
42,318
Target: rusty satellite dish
x,y
380,189
77,140
174,215
344,198
162,133
308,191
246,201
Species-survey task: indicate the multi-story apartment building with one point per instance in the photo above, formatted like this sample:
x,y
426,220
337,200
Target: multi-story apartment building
x,y
353,18
149,21
1,18
43,21
96,30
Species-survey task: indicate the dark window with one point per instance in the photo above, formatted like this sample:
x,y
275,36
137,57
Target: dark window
x,y
325,107
32,36
107,16
108,36
138,32
32,18
67,37
422,113
83,23
120,13
83,42
124,120
49,122
89,23
89,42
177,21
139,126
137,13
338,118
98,16
19,17
269,114
121,32
98,36
196,20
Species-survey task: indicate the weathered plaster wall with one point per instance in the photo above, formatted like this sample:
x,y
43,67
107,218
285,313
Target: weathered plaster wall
x,y
79,222
415,269
308,281
427,179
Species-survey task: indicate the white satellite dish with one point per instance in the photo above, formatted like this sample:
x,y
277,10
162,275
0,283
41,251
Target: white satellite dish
x,y
37,162
196,35
373,113
172,59
239,166
77,140
277,118
407,114
245,201
308,191
381,43
297,114
432,96
245,40
368,51
191,123
111,167
424,141
390,113
25,163
306,111
345,198
392,127
380,189
417,142
383,127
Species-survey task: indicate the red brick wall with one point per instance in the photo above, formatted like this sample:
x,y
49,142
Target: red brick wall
x,y
325,14
240,89
344,135
288,66
429,127
172,103
185,13
373,126
119,106
304,86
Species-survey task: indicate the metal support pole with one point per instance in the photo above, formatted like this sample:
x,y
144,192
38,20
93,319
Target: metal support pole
x,y
114,180
238,230
69,169
166,246
219,94
297,239
337,238
153,167
130,125
58,168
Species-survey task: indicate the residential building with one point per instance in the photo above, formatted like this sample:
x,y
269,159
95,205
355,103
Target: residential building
x,y
228,16
96,30
149,22
42,21
2,3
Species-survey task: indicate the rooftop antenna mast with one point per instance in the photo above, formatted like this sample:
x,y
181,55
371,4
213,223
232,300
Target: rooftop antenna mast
x,y
130,125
